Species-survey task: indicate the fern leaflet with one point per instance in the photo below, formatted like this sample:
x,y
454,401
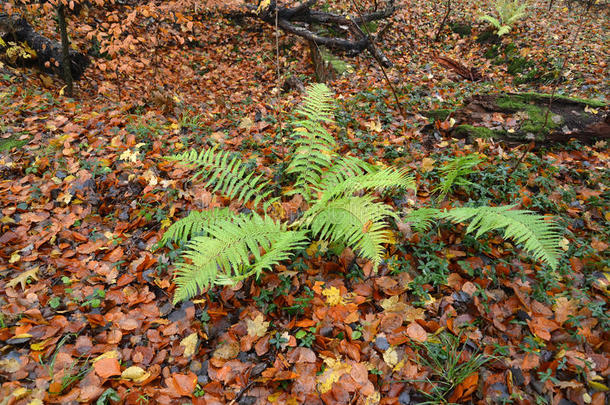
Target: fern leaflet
x,y
360,222
538,236
193,224
228,175
225,257
314,145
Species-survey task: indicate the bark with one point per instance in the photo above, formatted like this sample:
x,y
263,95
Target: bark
x,y
65,50
48,51
587,121
299,20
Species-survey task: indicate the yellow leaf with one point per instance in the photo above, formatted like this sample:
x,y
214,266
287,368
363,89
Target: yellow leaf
x,y
108,355
427,164
564,244
15,257
23,278
135,374
10,365
262,5
390,356
597,386
128,155
393,304
165,223
319,246
333,296
20,393
190,344
40,345
257,326
335,368
36,401
374,126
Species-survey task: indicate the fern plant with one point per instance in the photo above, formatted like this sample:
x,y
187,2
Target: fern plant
x,y
223,249
340,192
454,173
509,11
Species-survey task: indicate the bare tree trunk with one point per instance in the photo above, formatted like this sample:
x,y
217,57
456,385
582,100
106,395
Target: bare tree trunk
x,y
65,50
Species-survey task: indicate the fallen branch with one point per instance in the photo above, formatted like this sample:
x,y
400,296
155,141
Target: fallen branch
x,y
299,20
48,52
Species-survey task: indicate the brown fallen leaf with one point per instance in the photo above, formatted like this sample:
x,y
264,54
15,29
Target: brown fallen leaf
x,y
107,367
416,332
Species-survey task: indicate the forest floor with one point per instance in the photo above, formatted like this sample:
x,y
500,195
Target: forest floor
x,y
86,308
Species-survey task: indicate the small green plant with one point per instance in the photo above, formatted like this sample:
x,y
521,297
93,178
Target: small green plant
x,y
454,173
306,337
278,340
509,11
449,364
223,248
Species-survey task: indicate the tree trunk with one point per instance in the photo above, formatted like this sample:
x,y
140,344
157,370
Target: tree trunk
x,y
65,50
48,52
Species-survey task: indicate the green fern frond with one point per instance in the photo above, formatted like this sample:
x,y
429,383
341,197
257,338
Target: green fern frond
x,y
539,237
505,29
493,21
422,219
360,222
378,180
453,173
227,175
318,104
343,169
224,256
193,224
314,146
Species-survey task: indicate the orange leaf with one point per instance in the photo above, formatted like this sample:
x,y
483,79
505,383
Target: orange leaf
x,y
416,332
107,367
184,383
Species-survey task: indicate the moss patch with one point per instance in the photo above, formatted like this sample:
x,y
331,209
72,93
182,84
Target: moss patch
x,y
473,132
440,115
529,97
7,144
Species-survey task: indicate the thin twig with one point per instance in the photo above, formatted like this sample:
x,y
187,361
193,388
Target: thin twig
x,y
278,116
440,27
376,56
565,62
529,147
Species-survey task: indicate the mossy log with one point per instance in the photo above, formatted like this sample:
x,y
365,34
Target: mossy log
x,y
48,52
524,117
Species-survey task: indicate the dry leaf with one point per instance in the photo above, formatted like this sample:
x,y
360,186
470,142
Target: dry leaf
x,y
257,326
390,356
190,344
135,374
22,279
427,164
416,332
107,367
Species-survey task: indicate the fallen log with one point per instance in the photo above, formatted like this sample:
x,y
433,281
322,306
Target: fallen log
x,y
352,36
517,118
48,51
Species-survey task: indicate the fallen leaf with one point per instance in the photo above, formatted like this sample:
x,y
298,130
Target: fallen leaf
x,y
257,326
390,356
107,367
22,279
227,351
416,332
190,344
427,164
135,374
